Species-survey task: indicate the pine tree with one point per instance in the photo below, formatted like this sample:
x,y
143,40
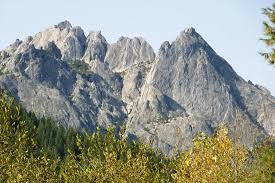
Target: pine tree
x,y
269,32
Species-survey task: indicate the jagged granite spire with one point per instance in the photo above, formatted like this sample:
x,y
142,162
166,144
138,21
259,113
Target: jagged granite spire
x,y
127,52
64,25
164,100
96,47
69,40
190,89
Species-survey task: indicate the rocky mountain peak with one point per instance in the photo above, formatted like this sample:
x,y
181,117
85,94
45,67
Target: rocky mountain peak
x,y
64,25
13,47
189,37
189,30
78,31
164,48
127,52
96,47
190,82
16,44
70,40
96,36
28,39
135,40
164,100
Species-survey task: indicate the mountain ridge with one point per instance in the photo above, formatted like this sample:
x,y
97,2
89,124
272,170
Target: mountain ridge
x,y
164,98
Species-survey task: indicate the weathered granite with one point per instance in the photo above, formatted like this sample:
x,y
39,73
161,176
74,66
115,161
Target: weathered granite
x,y
96,47
165,100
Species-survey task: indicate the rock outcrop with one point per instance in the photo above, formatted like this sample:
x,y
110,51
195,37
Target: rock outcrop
x,y
127,52
50,87
190,89
70,40
165,99
96,47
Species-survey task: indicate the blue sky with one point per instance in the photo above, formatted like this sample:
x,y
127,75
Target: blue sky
x,y
232,28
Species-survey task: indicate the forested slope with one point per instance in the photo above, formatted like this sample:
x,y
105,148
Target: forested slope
x,y
36,150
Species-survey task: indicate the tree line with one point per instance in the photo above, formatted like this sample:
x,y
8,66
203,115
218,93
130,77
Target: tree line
x,y
37,150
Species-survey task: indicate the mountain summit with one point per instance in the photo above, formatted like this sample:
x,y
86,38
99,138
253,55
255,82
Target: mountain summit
x,y
165,99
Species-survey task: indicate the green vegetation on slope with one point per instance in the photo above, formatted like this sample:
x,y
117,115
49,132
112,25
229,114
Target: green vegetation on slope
x,y
47,136
36,150
78,66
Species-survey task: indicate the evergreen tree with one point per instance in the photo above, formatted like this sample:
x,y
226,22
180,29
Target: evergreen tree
x,y
269,32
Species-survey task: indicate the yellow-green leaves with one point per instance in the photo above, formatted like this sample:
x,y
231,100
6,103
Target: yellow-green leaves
x,y
27,147
212,159
262,167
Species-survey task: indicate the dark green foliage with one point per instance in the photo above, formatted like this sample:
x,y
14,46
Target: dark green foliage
x,y
53,139
269,32
78,66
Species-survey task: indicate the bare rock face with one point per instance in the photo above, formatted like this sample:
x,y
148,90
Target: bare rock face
x,y
70,40
259,105
13,47
190,89
49,87
96,47
132,58
165,100
127,52
133,80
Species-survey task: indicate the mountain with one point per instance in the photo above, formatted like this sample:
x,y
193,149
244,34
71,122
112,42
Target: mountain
x,y
164,99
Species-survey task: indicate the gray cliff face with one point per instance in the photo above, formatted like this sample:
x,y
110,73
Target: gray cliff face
x,y
96,47
70,40
132,58
190,89
165,100
127,52
49,87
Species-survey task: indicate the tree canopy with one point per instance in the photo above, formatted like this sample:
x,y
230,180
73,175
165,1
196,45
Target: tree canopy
x,y
37,150
269,32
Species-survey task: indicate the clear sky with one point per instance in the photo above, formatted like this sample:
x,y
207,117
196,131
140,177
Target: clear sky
x,y
231,27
